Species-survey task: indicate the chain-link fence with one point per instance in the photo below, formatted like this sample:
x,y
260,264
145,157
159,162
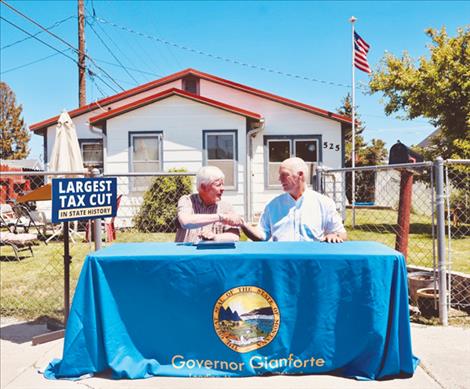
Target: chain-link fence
x,y
32,247
457,194
395,206
147,205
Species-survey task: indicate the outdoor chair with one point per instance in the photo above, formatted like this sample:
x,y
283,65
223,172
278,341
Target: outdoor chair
x,y
36,219
18,242
11,220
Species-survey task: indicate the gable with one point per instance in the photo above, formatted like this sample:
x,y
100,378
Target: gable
x,y
115,99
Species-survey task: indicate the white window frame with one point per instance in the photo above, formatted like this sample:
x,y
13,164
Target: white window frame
x,y
234,133
84,142
144,134
292,139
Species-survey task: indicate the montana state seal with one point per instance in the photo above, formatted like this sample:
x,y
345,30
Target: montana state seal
x,y
246,318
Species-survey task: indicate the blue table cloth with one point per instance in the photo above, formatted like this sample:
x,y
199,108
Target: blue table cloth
x,y
168,309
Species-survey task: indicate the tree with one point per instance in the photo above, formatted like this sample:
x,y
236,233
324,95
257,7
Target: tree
x,y
346,110
366,155
15,135
436,88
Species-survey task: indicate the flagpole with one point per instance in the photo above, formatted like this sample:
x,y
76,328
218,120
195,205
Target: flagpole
x,y
353,109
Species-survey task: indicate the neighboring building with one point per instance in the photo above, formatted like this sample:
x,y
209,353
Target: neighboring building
x,y
12,186
24,164
426,142
190,119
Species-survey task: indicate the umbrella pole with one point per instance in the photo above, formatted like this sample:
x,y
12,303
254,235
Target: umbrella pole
x,y
66,272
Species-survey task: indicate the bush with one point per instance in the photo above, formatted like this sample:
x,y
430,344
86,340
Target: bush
x,y
158,211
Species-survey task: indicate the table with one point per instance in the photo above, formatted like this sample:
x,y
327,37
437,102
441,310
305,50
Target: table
x,y
169,309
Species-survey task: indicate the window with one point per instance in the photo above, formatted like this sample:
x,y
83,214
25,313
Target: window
x,y
145,156
221,151
191,85
279,148
92,153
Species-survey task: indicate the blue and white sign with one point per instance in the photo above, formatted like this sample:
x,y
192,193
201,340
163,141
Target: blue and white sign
x,y
83,198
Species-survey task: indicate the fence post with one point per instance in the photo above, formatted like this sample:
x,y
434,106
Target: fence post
x,y
97,222
439,175
318,174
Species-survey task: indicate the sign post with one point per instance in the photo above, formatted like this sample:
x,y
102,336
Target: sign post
x,y
80,199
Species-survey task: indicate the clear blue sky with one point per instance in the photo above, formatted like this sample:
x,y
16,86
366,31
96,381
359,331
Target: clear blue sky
x,y
310,39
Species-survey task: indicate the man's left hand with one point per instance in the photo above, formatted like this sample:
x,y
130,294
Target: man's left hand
x,y
207,235
332,238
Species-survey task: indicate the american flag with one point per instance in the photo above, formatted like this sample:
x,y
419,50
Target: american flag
x,y
361,48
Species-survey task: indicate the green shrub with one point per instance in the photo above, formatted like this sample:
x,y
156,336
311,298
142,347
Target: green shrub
x,y
158,211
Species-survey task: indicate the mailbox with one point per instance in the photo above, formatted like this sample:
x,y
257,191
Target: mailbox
x,y
400,153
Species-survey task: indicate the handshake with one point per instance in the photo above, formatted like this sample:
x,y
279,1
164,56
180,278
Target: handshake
x,y
231,219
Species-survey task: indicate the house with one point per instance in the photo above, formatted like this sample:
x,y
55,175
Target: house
x,y
189,119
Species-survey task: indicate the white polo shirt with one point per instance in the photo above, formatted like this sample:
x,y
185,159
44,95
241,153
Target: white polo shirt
x,y
311,217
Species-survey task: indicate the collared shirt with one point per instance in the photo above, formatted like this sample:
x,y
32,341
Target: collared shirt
x,y
310,217
193,204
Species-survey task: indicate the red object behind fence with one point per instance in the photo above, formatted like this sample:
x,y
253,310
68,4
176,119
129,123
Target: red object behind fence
x,y
12,186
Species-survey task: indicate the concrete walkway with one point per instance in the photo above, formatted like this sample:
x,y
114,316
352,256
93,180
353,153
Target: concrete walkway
x,y
444,354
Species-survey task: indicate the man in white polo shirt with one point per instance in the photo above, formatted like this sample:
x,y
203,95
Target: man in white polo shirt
x,y
299,214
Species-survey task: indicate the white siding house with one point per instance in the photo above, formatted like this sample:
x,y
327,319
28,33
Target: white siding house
x,y
191,118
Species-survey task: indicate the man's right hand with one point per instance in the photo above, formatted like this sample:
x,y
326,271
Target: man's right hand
x,y
232,219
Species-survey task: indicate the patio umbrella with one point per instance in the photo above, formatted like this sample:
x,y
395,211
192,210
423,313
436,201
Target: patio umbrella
x,y
42,193
66,155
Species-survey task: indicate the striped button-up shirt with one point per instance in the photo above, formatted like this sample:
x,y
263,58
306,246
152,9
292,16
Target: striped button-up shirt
x,y
193,204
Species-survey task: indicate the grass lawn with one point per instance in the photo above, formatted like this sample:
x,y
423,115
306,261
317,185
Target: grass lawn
x,y
380,226
33,287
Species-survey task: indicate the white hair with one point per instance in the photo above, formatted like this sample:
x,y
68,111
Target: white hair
x,y
295,165
207,175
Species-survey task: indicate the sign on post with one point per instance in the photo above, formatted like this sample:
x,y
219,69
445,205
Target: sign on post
x,y
83,198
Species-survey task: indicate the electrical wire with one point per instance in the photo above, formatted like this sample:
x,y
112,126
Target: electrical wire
x,y
218,57
112,54
40,32
60,39
103,31
33,62
40,40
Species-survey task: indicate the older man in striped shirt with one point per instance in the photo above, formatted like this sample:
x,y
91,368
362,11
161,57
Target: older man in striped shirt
x,y
204,215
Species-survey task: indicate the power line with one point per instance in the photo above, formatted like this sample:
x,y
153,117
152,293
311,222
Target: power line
x,y
129,68
112,54
219,57
40,40
33,62
40,32
92,73
103,31
60,39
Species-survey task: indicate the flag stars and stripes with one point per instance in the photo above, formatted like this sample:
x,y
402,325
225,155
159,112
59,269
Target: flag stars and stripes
x,y
361,48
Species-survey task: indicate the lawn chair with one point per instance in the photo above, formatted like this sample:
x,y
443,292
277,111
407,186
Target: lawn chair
x,y
11,220
18,242
36,219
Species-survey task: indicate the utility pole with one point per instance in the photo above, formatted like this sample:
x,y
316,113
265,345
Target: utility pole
x,y
81,54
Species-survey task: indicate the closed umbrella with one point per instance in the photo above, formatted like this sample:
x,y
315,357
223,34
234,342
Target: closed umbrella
x,y
66,155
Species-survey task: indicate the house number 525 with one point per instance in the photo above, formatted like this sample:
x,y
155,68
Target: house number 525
x,y
330,146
